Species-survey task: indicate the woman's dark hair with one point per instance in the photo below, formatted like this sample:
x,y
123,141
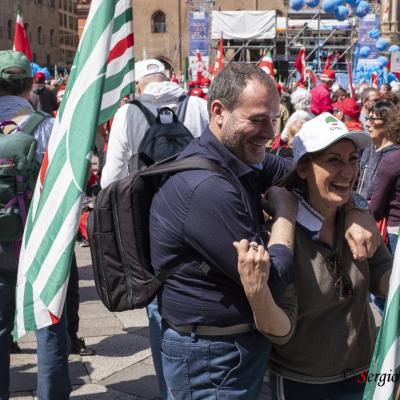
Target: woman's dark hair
x,y
382,109
292,181
392,125
16,87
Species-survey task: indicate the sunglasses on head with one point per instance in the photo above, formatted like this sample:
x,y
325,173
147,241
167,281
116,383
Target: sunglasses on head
x,y
342,282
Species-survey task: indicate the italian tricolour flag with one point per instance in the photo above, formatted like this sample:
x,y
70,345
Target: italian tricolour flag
x,y
21,42
383,378
101,74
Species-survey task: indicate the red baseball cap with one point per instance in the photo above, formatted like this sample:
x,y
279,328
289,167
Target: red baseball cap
x,y
39,77
328,74
349,107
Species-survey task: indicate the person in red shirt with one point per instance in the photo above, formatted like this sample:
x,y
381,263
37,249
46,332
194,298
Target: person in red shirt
x,y
348,111
321,96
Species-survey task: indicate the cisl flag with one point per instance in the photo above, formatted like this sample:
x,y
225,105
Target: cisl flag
x,y
21,42
102,73
267,65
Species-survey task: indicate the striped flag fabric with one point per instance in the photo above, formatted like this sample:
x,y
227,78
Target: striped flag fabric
x,y
21,42
102,73
383,378
267,65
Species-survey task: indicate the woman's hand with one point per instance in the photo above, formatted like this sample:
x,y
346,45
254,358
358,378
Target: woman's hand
x,y
253,266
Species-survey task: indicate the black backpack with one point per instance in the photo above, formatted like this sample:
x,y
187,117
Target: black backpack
x,y
161,140
119,238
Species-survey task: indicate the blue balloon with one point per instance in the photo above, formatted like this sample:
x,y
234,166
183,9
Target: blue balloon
x,y
312,3
382,44
362,9
391,77
365,51
393,48
374,33
329,6
352,3
341,13
297,5
382,61
35,68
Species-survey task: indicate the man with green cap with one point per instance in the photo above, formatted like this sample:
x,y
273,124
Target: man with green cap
x,y
52,342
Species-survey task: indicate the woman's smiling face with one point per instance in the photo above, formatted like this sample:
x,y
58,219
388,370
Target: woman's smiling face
x,y
331,175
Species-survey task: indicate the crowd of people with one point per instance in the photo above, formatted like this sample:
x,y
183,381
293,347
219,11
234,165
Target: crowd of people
x,y
275,277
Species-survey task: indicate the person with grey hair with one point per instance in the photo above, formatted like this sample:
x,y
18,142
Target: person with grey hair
x,y
369,97
210,348
301,100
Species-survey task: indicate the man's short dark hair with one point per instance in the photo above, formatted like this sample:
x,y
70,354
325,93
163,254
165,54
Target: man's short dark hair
x,y
231,81
16,87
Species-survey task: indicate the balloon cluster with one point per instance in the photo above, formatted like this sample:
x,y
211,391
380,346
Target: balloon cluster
x,y
341,8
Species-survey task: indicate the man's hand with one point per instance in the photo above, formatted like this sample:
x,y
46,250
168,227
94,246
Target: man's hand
x,y
361,233
253,267
279,202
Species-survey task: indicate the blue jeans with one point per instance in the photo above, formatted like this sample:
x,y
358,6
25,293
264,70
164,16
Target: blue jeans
x,y
155,344
52,342
52,354
220,367
282,388
392,243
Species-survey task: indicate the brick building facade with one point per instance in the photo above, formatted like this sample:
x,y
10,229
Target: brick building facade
x,y
41,23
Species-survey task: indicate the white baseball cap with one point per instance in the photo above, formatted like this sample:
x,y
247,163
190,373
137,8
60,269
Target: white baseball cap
x,y
322,131
148,67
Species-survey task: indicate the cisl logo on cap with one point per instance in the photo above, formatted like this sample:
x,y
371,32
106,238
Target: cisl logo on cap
x,y
333,123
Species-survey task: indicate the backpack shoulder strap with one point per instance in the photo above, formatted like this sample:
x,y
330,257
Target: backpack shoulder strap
x,y
150,118
33,121
192,163
182,107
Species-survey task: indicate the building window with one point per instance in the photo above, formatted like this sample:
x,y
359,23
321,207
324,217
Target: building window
x,y
65,20
40,35
52,3
158,24
61,37
71,22
52,39
60,19
9,29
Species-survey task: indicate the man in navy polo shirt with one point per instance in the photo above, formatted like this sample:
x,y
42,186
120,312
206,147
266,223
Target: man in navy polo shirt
x,y
210,348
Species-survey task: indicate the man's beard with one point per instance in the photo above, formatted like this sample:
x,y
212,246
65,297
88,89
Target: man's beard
x,y
232,140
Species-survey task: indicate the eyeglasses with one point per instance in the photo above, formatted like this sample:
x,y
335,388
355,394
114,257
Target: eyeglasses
x,y
373,119
343,284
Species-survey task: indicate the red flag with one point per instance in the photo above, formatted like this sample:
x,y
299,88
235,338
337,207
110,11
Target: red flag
x,y
310,75
267,65
300,64
200,67
219,59
351,89
328,62
21,42
374,79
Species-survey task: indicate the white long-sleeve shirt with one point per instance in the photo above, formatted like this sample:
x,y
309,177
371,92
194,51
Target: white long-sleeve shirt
x,y
130,125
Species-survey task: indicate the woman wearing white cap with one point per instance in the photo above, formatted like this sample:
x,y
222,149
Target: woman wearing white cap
x,y
327,328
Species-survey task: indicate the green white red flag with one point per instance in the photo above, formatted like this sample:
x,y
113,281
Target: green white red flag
x,y
267,65
102,73
21,42
383,377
